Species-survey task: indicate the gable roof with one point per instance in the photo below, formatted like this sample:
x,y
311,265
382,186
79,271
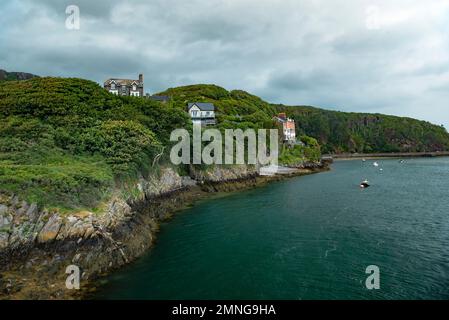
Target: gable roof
x,y
203,106
122,82
282,119
276,118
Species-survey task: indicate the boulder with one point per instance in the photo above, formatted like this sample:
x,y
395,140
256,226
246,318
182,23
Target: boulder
x,y
3,209
50,230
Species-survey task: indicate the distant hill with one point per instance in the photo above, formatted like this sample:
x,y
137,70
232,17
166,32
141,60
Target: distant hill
x,y
337,132
11,76
341,132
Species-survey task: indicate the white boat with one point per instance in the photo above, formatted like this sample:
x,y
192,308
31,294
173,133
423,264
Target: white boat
x,y
375,164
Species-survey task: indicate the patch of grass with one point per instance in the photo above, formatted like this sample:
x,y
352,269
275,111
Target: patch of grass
x,y
63,181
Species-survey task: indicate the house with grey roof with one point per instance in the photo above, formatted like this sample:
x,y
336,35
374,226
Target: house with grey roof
x,y
125,87
202,113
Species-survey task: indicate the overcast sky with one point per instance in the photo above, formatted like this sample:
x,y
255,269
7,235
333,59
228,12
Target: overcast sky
x,y
368,56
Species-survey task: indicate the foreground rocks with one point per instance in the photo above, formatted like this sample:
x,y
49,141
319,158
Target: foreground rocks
x,y
36,246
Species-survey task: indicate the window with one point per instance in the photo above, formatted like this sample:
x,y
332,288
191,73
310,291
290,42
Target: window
x,y
134,87
113,86
194,113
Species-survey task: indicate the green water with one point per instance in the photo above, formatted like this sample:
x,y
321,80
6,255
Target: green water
x,y
309,237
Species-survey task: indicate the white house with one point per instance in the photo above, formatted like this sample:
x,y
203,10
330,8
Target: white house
x,y
202,113
288,127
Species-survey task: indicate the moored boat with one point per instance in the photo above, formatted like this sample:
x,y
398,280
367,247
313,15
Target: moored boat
x,y
364,184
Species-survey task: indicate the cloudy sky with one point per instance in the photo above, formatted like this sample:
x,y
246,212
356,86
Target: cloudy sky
x,y
372,56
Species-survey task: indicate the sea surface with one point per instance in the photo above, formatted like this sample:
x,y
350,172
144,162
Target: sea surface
x,y
309,237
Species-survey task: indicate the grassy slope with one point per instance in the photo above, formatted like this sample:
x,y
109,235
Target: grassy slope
x,y
240,110
340,132
67,142
235,109
335,131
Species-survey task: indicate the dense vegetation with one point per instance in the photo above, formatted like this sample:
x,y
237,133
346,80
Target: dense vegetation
x,y
340,132
67,142
308,151
240,110
234,110
336,132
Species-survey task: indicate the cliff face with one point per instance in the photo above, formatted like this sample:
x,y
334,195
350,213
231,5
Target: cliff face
x,y
37,245
40,242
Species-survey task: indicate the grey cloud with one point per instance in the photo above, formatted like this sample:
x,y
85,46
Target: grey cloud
x,y
290,51
98,9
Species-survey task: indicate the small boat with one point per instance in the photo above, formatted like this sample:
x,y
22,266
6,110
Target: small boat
x,y
363,160
401,161
364,184
375,164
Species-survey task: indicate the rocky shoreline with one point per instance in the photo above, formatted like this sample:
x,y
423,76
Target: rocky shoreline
x,y
36,246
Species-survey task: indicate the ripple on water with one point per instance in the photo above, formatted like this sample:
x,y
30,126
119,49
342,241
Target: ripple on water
x,y
310,237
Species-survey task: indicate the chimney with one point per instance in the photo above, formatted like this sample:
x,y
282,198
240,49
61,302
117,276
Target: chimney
x,y
141,78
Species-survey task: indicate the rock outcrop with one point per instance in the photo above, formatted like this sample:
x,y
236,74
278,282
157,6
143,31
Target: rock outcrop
x,y
37,245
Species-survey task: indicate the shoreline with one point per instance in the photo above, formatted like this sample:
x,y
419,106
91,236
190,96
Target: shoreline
x,y
39,271
210,191
392,155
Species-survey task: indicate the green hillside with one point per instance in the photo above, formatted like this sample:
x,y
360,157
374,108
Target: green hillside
x,y
340,132
235,109
68,142
238,109
336,132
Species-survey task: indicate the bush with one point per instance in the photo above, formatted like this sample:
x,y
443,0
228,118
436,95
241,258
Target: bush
x,y
126,145
63,142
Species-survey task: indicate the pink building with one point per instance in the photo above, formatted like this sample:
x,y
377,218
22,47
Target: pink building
x,y
288,127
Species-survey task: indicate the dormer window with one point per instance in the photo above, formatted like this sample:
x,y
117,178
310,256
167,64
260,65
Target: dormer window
x,y
113,86
134,87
